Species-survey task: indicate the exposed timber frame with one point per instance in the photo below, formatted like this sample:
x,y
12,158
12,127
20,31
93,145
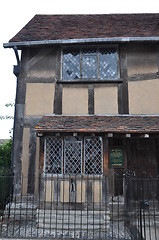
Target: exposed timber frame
x,y
58,87
123,102
18,118
90,99
143,77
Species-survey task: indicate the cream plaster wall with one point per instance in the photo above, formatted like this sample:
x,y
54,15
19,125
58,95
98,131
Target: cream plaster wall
x,y
43,64
106,100
144,97
39,99
142,59
25,159
75,101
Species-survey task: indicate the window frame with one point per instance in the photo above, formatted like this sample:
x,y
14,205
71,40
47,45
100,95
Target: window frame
x,y
93,80
82,156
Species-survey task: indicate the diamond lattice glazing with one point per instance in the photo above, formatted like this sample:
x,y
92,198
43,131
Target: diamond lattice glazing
x,y
73,155
89,64
93,155
71,65
53,155
108,68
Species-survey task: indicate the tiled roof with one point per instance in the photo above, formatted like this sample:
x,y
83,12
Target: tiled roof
x,y
54,27
94,124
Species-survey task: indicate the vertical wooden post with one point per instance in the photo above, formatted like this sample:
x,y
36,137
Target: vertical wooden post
x,y
90,99
19,122
123,101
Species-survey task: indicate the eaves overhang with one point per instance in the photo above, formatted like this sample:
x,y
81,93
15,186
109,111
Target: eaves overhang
x,y
135,124
19,45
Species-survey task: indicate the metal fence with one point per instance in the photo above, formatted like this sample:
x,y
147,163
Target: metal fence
x,y
81,207
6,183
142,207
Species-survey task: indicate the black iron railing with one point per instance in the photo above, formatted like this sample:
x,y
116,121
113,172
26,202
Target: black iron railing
x,y
81,207
142,207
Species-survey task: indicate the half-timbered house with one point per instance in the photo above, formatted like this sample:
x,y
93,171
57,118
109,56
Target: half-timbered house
x,y
87,102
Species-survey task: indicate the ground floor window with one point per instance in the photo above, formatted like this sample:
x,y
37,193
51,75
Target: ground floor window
x,y
74,155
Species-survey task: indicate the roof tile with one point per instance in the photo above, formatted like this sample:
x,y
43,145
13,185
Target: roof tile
x,y
55,27
105,124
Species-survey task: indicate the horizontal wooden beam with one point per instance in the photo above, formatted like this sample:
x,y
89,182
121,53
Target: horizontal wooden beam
x,y
41,79
146,76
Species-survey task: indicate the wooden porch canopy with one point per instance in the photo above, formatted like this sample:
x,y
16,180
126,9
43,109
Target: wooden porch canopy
x,y
125,124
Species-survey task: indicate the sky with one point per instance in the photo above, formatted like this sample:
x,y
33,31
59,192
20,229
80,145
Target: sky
x,y
14,14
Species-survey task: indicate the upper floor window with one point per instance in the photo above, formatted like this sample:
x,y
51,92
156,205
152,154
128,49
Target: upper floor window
x,y
90,64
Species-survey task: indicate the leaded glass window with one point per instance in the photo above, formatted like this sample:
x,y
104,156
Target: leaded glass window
x,y
73,155
108,64
90,64
53,155
93,155
71,65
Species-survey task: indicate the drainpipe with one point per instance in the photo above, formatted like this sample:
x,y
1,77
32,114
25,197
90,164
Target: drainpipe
x,y
16,71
